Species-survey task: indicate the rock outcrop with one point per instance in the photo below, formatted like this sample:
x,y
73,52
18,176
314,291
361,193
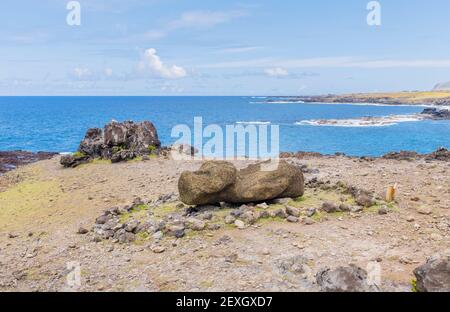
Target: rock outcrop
x,y
220,181
117,142
434,276
436,114
12,159
344,279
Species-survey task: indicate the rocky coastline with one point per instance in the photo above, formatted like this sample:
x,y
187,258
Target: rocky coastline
x,y
400,98
10,160
139,220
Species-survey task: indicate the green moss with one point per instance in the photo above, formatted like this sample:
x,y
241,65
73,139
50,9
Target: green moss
x,y
78,154
151,149
136,159
164,210
141,237
414,285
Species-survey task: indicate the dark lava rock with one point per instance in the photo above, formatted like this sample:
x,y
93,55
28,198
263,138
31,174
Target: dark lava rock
x,y
13,159
437,114
442,154
344,279
117,142
434,276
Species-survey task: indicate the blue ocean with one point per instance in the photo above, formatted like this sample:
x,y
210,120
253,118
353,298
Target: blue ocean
x,y
59,123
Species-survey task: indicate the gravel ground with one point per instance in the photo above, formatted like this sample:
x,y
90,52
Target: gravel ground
x,y
43,205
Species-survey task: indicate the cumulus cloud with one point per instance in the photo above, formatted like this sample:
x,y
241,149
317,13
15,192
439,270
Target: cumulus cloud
x,y
108,72
152,62
190,19
82,72
276,72
204,18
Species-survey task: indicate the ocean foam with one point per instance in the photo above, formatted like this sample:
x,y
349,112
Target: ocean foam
x,y
362,122
253,122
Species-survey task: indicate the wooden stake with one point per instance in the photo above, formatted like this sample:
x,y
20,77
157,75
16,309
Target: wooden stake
x,y
390,193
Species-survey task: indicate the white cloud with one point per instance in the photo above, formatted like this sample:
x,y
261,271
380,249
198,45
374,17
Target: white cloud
x,y
240,49
190,19
333,62
108,72
276,72
204,18
152,62
82,72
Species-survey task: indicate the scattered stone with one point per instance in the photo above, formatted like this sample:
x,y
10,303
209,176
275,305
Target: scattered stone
x,y
158,249
220,181
281,201
207,215
103,219
355,209
249,217
158,235
405,260
292,219
262,206
293,211
383,210
329,207
195,224
12,235
344,207
365,200
176,230
344,279
82,230
231,258
296,265
126,237
280,213
310,212
410,218
131,225
213,226
229,219
239,224
309,221
434,275
424,210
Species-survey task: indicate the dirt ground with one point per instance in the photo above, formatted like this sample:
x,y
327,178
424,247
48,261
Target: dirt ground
x,y
43,205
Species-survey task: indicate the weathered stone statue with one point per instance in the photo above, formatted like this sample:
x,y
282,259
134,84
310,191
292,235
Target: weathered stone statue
x,y
220,181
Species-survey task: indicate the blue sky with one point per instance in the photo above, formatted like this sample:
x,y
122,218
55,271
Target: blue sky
x,y
222,47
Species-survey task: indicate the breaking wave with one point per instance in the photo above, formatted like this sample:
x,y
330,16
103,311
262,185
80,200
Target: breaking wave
x,y
362,122
253,122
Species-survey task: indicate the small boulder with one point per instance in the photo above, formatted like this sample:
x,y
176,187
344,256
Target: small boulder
x,y
329,207
344,279
434,275
239,224
195,224
293,211
365,200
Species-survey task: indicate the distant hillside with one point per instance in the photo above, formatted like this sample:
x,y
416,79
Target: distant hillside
x,y
445,86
